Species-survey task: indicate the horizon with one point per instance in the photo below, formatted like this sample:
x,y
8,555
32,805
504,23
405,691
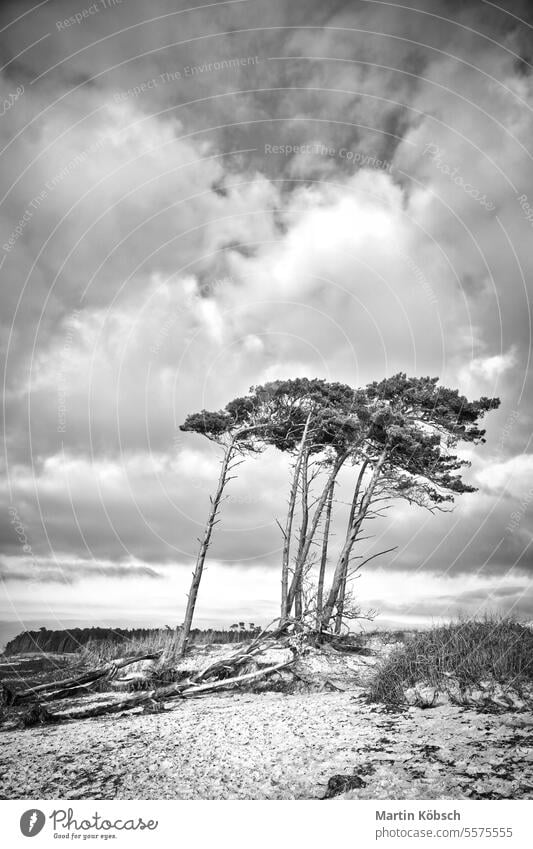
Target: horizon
x,y
8,631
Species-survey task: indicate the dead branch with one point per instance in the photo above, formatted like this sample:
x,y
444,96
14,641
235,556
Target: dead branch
x,y
58,689
240,679
185,689
220,675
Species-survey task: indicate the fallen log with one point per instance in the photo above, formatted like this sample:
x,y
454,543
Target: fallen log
x,y
59,689
241,679
130,701
54,690
182,690
195,685
236,660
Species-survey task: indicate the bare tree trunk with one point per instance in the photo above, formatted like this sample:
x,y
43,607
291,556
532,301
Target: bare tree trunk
x,y
298,600
344,559
324,558
340,605
355,498
204,545
287,533
342,588
303,555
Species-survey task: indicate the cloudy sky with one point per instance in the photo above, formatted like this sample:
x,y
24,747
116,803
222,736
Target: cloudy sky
x,y
196,198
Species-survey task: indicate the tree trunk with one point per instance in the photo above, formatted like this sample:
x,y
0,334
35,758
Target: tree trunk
x,y
324,558
288,524
342,587
198,569
298,601
303,555
344,559
340,605
298,596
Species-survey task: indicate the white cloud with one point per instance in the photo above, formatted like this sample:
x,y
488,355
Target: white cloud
x,y
513,476
483,374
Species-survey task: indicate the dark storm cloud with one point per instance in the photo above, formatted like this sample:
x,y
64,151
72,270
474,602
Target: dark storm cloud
x,y
50,572
514,600
497,594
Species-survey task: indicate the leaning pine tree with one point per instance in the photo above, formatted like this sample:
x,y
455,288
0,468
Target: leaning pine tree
x,y
245,426
399,435
317,423
413,427
235,429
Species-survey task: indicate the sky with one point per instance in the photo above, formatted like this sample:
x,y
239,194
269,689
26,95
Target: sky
x,y
197,198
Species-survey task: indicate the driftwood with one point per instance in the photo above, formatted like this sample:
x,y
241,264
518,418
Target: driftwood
x,y
239,679
128,702
222,674
232,663
182,690
69,686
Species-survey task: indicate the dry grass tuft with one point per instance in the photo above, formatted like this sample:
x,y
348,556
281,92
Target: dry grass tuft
x,y
467,653
100,652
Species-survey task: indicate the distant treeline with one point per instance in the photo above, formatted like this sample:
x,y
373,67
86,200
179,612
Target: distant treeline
x,y
73,639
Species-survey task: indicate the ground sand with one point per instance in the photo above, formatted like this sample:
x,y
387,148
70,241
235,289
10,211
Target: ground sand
x,y
273,746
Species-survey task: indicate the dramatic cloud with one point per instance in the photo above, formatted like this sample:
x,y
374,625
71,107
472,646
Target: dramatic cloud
x,y
197,200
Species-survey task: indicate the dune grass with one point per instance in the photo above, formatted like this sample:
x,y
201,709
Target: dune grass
x,y
100,652
467,652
